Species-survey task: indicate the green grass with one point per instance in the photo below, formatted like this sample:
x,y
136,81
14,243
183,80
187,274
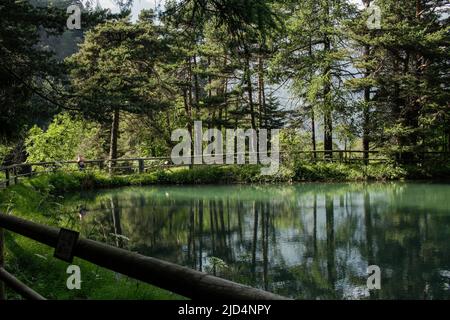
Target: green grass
x,y
34,264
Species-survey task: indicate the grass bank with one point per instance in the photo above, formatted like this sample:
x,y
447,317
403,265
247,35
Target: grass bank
x,y
60,182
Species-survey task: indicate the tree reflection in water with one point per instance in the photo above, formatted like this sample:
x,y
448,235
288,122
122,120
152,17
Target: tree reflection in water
x,y
311,241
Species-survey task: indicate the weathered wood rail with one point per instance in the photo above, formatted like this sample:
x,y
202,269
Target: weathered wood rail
x,y
12,173
180,280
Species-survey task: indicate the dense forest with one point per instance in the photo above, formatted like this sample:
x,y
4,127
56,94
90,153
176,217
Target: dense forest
x,y
317,69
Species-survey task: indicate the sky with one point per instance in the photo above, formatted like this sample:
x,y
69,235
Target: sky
x,y
138,5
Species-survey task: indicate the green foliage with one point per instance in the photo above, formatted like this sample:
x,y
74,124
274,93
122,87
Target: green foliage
x,y
31,75
385,172
4,151
227,63
22,59
405,67
216,266
236,15
327,171
429,171
118,68
65,138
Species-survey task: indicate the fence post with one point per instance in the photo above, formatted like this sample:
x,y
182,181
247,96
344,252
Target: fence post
x,y
2,264
111,166
141,166
7,177
16,179
366,156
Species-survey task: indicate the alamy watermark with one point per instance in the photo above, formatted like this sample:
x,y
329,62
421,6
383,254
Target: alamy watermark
x,y
233,151
74,280
374,279
374,19
74,19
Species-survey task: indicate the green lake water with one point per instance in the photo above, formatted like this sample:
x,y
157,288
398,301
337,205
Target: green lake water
x,y
306,241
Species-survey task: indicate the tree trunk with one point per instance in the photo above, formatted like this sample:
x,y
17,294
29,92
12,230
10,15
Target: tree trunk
x,y
188,113
196,84
225,89
261,91
313,132
190,91
328,130
366,124
327,121
420,63
114,138
250,89
313,116
366,110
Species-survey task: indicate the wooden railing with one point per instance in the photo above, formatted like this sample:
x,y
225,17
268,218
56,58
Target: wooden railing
x,y
13,173
180,280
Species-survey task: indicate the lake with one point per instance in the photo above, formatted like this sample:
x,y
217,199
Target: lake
x,y
305,241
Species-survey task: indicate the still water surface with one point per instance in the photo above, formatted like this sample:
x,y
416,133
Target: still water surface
x,y
306,241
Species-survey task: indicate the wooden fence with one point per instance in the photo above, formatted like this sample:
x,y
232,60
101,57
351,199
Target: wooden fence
x,y
181,280
13,173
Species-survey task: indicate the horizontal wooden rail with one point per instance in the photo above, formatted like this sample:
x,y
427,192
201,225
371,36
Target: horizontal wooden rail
x,y
99,161
18,286
181,280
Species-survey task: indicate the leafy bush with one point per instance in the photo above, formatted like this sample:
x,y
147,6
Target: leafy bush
x,y
321,171
385,172
342,172
64,139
